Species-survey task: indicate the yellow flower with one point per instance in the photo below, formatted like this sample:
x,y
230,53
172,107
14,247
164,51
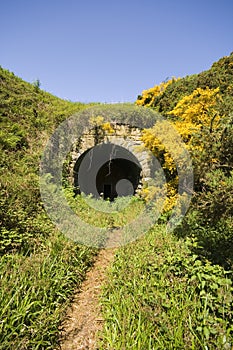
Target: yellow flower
x,y
148,96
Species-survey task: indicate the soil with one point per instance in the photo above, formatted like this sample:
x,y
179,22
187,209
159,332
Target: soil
x,y
83,320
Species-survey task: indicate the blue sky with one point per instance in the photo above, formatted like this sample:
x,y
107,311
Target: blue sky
x,y
109,51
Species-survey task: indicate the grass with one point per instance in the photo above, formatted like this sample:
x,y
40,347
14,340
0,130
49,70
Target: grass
x,y
35,290
102,213
161,296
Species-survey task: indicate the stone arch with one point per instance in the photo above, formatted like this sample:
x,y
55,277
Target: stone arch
x,y
127,140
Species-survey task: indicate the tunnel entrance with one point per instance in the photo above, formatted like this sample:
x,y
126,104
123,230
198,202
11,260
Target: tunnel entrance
x,y
118,177
107,171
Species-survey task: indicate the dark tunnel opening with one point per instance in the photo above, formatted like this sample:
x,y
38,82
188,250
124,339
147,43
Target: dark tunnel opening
x,y
108,171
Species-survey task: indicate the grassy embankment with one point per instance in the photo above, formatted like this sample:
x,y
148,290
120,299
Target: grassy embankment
x,y
39,267
170,291
162,296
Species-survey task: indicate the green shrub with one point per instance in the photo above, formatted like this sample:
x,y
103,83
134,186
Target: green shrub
x,y
210,219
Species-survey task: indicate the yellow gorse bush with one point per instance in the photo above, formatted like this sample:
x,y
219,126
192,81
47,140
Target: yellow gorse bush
x,y
98,121
196,111
160,140
191,114
172,195
107,127
148,96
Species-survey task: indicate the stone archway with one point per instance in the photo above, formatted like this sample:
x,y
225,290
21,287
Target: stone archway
x,y
112,165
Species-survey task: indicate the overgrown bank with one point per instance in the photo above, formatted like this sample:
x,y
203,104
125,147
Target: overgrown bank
x,y
170,291
161,296
200,108
39,267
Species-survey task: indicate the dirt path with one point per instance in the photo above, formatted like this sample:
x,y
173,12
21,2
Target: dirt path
x,y
83,319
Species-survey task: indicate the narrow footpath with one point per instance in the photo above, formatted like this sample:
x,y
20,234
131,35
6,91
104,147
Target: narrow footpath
x,y
83,320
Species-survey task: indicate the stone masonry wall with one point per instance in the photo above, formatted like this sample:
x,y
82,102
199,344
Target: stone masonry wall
x,y
124,136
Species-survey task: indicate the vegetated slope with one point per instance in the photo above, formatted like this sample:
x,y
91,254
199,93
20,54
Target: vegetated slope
x,y
200,107
39,268
28,116
160,296
168,290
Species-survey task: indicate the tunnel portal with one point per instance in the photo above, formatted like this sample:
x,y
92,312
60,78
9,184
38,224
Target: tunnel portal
x,y
107,171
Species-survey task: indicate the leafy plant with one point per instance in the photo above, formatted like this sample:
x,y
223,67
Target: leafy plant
x,y
161,296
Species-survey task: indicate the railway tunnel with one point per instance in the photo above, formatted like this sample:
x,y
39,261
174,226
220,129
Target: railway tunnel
x,y
107,170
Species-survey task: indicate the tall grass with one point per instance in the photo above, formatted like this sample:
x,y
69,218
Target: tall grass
x,y
34,292
161,296
103,213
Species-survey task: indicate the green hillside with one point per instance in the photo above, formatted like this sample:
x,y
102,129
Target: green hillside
x,y
201,108
174,290
39,268
28,116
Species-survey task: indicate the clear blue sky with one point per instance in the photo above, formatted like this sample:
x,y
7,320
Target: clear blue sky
x,y
109,51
